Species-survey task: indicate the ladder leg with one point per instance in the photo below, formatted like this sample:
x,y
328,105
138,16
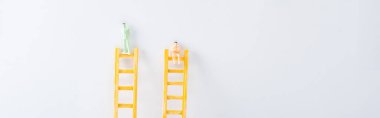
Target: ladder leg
x,y
165,82
185,68
135,70
116,92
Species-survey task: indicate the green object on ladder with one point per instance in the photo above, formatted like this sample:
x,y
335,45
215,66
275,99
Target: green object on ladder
x,y
126,39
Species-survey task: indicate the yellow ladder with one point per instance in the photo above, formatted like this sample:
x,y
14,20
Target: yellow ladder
x,y
133,88
183,83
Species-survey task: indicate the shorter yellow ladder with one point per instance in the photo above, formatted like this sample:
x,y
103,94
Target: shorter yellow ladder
x,y
183,83
133,88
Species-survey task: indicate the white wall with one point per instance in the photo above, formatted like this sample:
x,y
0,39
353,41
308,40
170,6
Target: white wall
x,y
248,58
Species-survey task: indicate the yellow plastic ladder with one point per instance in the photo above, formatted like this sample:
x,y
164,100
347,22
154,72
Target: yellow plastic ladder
x,y
118,88
183,83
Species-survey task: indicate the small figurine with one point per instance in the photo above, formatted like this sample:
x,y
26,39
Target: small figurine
x,y
176,52
126,39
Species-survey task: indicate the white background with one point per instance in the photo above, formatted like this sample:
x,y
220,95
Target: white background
x,y
248,58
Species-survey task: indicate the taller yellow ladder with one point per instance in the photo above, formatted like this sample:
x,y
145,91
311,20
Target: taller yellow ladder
x,y
183,83
133,88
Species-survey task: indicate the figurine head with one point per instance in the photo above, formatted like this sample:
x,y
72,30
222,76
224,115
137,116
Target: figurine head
x,y
175,43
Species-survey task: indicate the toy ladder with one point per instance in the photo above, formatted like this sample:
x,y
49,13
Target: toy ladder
x,y
183,83
118,88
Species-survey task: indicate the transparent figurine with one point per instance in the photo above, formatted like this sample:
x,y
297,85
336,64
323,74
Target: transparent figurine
x,y
175,52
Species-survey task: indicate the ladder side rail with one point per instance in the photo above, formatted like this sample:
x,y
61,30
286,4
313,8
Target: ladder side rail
x,y
135,76
185,74
166,69
116,92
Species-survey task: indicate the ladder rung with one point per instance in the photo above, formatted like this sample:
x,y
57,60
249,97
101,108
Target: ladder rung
x,y
125,71
175,71
175,83
126,55
171,58
174,112
125,105
175,97
125,87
